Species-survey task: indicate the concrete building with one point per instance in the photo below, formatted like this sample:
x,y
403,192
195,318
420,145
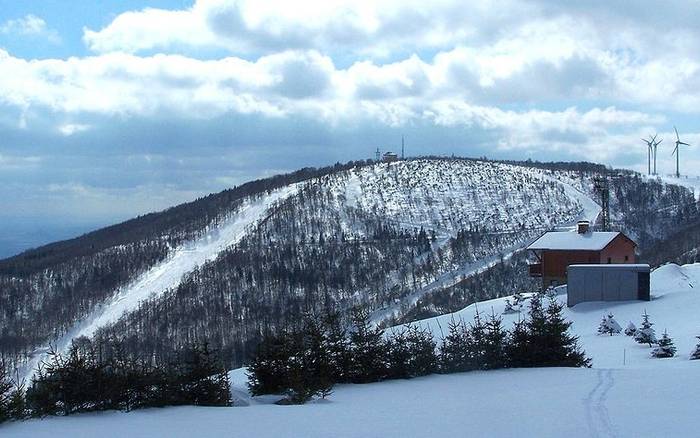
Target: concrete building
x,y
555,251
390,157
619,282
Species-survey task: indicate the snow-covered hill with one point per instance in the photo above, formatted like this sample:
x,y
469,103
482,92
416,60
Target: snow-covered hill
x,y
331,218
625,394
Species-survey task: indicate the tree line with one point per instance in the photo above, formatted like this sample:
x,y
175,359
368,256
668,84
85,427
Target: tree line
x,y
98,377
306,360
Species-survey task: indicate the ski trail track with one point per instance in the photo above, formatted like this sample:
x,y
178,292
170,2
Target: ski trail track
x,y
597,416
168,274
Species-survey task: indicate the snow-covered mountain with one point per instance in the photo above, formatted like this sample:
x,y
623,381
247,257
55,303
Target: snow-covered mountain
x,y
390,236
625,394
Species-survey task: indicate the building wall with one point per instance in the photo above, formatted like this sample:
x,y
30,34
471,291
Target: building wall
x,y
554,263
617,250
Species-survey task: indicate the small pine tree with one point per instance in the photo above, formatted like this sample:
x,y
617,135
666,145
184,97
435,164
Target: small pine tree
x,y
338,347
495,345
268,373
422,357
5,394
608,326
664,347
695,355
368,349
399,355
631,329
561,348
477,343
517,347
645,333
454,351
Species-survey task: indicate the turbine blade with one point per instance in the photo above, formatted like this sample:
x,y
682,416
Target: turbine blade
x,y
680,142
674,128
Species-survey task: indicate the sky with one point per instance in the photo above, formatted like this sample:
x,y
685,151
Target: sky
x,y
115,108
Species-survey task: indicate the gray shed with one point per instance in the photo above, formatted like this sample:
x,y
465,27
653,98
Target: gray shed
x,y
623,282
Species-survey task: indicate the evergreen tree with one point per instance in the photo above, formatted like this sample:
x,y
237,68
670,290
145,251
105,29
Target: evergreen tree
x,y
268,372
338,347
318,359
202,377
477,343
454,349
608,326
561,347
517,347
645,333
631,329
696,352
11,397
495,345
538,333
664,347
399,355
422,357
368,349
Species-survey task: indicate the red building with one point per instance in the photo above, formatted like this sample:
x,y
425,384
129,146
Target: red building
x,y
556,250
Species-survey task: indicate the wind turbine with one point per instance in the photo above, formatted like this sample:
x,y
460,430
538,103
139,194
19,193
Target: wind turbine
x,y
677,151
649,144
655,144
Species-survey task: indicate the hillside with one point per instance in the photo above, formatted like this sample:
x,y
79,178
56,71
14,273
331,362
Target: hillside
x,y
406,239
638,397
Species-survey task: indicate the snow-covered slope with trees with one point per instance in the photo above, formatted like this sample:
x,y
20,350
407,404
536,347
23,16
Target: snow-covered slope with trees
x,y
395,237
626,393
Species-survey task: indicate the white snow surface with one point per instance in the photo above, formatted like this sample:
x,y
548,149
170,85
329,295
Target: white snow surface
x,y
591,241
626,393
167,274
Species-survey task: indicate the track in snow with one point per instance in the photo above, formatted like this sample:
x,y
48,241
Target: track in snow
x,y
168,274
597,416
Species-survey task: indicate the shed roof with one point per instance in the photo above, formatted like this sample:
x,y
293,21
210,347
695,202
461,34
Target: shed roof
x,y
571,240
613,266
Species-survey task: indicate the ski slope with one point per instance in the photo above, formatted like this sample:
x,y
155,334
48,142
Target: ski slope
x,y
640,397
167,274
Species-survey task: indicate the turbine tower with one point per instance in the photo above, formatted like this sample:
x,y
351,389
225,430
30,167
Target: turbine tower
x,y
677,152
656,144
649,150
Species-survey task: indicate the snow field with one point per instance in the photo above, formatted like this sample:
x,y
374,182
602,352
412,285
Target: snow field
x,y
645,397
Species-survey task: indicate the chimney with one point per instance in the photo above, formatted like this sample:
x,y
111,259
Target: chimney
x,y
582,227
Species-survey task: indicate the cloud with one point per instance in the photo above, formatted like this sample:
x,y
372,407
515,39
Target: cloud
x,y
191,100
30,25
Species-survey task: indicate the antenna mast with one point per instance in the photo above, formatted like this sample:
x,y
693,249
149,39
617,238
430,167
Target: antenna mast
x,y
602,186
377,155
402,148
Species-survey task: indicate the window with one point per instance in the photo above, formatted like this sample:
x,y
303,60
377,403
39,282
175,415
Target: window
x,y
609,260
627,258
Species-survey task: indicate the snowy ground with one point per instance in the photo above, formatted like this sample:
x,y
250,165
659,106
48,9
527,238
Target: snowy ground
x,y
637,397
168,273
